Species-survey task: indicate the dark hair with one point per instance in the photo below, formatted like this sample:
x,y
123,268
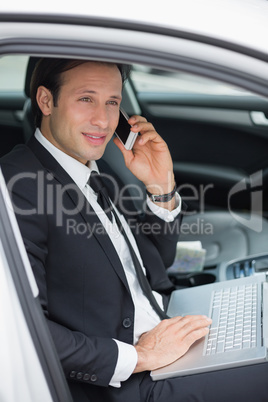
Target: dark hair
x,y
47,72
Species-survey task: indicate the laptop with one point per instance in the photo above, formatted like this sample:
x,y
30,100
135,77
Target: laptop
x,y
238,334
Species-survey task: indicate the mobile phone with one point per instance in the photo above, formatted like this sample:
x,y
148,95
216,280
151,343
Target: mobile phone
x,y
123,131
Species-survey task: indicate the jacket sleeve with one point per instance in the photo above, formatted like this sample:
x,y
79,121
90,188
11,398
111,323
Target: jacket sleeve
x,y
166,235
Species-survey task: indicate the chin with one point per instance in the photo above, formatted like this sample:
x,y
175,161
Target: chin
x,y
94,156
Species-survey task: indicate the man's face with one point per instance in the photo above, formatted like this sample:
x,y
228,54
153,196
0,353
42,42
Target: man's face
x,y
87,111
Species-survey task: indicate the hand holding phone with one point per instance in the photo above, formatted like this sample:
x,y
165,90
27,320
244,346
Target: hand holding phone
x,y
123,131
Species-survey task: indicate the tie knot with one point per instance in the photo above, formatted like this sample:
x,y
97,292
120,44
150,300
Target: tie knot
x,y
95,181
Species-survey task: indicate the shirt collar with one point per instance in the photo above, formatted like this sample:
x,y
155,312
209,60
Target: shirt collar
x,y
79,173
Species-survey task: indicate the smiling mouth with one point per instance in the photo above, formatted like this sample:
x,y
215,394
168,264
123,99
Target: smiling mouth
x,y
95,139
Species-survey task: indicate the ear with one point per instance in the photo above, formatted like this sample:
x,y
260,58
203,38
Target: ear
x,y
45,100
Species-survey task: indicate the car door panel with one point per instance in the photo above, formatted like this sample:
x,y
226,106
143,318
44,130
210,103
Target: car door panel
x,y
213,141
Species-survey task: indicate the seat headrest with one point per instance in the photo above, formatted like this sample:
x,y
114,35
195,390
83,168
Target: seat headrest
x,y
30,68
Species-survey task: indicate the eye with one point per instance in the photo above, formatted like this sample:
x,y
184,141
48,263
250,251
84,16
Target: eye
x,y
85,99
113,102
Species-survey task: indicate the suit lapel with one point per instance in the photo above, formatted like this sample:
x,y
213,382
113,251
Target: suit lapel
x,y
53,167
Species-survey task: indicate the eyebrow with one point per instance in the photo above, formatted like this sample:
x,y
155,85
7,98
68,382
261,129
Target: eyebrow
x,y
88,91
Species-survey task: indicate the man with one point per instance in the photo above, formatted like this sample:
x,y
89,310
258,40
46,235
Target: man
x,y
107,333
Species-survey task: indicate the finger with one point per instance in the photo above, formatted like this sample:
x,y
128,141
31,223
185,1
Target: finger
x,y
142,127
194,331
135,119
194,336
195,320
139,123
188,318
145,129
186,325
191,329
182,326
152,137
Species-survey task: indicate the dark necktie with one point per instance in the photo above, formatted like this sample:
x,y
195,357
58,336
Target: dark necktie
x,y
96,183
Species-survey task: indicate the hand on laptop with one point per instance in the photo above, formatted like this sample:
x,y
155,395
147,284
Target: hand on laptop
x,y
169,340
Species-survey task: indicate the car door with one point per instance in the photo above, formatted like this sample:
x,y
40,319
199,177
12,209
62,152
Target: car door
x,y
30,368
217,135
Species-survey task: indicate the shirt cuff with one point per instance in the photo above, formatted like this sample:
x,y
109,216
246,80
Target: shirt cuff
x,y
163,213
126,363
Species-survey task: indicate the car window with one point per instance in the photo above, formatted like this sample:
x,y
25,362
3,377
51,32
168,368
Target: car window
x,y
12,73
147,79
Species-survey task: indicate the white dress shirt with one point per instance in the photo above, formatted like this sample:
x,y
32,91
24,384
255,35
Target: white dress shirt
x,y
145,317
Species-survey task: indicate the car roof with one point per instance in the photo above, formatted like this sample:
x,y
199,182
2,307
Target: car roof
x,y
242,22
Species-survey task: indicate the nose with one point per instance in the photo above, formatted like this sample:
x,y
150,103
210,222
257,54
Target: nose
x,y
100,117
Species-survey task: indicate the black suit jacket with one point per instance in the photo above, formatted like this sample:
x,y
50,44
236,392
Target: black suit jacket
x,y
82,285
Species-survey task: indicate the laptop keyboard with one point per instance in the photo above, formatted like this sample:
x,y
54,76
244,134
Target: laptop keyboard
x,y
234,319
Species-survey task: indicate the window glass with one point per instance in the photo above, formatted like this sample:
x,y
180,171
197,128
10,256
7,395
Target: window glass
x,y
12,73
147,79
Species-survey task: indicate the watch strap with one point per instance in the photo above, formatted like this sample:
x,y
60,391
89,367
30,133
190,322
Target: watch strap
x,y
162,197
